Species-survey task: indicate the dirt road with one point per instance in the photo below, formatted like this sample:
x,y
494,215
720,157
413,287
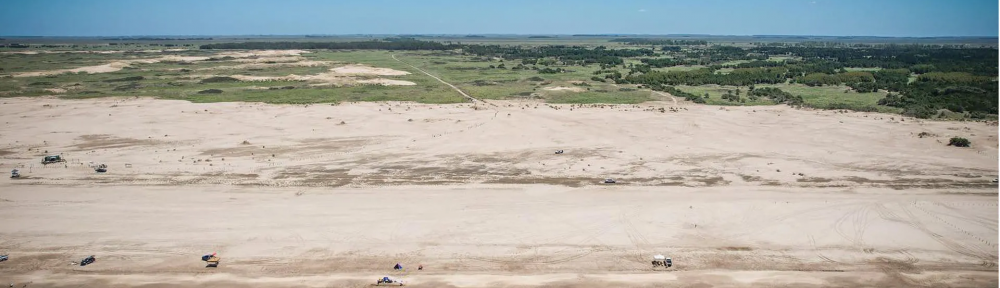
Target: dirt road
x,y
473,99
672,98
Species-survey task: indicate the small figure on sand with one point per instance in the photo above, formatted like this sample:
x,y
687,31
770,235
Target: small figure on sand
x,y
398,267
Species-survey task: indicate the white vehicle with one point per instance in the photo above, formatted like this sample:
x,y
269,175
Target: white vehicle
x,y
660,260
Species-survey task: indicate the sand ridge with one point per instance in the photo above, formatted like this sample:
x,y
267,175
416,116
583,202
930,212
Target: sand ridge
x,y
564,88
118,65
338,76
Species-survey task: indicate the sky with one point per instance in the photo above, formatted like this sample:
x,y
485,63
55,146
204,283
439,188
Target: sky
x,y
897,18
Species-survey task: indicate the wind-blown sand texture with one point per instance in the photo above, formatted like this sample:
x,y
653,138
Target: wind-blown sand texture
x,y
335,195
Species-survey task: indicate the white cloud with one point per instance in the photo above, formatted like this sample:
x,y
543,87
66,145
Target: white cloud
x,y
813,2
644,10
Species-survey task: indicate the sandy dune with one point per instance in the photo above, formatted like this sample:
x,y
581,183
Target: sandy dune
x,y
121,64
344,75
322,196
367,70
111,67
564,88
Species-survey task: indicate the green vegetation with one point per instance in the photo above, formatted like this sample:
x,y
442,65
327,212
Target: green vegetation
x,y
926,80
959,142
646,41
388,44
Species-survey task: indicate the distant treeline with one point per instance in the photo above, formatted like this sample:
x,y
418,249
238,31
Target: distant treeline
x,y
565,55
152,38
960,80
568,55
920,79
648,41
14,45
389,44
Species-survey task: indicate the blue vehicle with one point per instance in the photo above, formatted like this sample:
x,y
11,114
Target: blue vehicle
x,y
386,280
87,261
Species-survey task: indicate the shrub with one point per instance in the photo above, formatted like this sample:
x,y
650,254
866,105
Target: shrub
x,y
482,83
959,142
131,78
127,87
550,70
536,78
219,79
210,91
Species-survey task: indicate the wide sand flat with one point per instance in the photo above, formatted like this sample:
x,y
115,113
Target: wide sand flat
x,y
334,195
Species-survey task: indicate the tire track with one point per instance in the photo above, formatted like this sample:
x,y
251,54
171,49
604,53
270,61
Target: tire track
x,y
984,252
950,245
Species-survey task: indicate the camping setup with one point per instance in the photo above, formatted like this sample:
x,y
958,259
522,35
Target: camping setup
x,y
388,281
211,259
660,260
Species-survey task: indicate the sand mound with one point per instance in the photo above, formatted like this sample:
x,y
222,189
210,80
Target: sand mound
x,y
386,82
120,64
326,79
104,68
367,70
264,53
111,67
279,59
564,88
340,76
251,64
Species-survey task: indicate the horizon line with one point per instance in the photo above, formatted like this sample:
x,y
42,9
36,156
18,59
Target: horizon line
x,y
497,34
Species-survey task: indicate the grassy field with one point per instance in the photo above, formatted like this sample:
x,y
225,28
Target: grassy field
x,y
474,75
715,93
819,97
181,80
167,80
172,80
834,96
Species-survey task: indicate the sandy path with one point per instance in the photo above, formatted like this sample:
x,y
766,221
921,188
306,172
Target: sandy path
x,y
438,79
672,98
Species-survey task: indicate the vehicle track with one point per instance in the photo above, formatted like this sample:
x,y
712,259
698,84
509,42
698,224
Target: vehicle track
x,y
442,81
672,98
956,247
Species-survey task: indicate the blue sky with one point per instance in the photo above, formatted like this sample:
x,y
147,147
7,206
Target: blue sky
x,y
918,18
